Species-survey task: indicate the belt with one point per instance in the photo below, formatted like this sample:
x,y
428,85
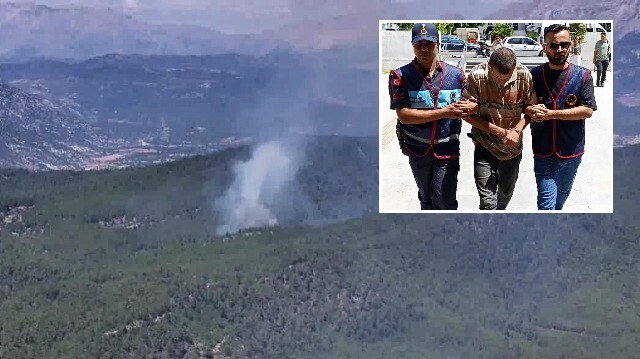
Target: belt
x,y
440,140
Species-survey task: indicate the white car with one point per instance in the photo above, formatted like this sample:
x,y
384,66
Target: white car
x,y
523,46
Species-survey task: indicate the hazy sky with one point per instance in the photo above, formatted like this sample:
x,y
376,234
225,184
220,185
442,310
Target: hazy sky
x,y
253,16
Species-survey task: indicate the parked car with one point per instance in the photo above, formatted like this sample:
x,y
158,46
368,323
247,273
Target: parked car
x,y
454,43
523,46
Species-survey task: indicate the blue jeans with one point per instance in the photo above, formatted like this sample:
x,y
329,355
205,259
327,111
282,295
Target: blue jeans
x,y
554,177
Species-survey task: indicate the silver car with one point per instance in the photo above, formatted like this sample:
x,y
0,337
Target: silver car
x,y
523,46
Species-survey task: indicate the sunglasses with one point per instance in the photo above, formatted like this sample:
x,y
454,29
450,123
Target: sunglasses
x,y
556,45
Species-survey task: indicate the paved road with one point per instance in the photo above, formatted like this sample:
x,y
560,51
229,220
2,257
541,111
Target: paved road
x,y
592,190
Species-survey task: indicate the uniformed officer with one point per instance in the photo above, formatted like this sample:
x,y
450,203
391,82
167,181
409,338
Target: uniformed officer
x,y
422,93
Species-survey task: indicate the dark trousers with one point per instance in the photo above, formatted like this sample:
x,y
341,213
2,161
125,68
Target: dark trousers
x,y
601,71
437,181
495,179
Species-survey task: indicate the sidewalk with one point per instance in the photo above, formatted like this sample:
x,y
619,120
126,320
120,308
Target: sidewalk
x,y
592,189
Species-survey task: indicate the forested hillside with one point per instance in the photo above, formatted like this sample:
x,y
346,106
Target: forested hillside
x,y
123,263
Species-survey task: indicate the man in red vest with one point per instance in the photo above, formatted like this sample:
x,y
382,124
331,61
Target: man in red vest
x,y
565,99
423,93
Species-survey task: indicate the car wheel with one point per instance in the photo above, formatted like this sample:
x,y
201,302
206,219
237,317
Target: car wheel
x,y
541,53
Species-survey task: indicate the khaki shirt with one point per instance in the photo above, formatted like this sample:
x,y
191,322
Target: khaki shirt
x,y
502,106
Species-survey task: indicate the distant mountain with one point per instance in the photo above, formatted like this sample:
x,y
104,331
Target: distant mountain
x,y
138,97
36,134
626,69
154,103
39,134
35,31
342,30
626,53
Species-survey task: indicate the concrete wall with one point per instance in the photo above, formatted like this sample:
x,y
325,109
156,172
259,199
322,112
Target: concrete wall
x,y
396,49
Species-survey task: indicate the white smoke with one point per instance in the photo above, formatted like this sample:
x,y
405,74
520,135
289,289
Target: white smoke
x,y
259,181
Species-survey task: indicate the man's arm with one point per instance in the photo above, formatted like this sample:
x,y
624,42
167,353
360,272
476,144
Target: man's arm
x,y
401,104
412,116
530,106
519,127
471,93
584,109
569,114
468,107
513,134
486,126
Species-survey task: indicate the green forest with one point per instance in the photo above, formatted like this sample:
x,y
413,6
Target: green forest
x,y
124,264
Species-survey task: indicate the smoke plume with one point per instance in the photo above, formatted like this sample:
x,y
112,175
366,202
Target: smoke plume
x,y
258,183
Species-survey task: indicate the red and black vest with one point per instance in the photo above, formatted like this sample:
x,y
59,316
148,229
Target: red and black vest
x,y
560,138
441,137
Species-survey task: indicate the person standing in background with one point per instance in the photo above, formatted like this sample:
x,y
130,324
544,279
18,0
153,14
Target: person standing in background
x,y
496,44
601,58
576,51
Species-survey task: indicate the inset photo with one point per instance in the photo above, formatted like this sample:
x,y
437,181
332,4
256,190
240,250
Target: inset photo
x,y
496,115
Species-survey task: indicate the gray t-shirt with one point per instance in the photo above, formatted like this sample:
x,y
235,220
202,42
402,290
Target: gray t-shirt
x,y
602,50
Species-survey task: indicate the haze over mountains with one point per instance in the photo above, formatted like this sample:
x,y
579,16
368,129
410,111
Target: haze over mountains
x,y
37,31
127,263
307,76
189,104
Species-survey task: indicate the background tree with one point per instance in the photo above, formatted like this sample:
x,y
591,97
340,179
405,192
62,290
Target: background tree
x,y
578,30
502,30
445,28
403,26
467,25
